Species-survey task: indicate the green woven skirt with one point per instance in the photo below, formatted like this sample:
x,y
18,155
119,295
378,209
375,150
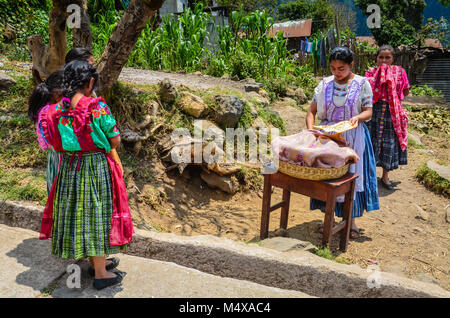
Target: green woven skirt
x,y
83,208
52,168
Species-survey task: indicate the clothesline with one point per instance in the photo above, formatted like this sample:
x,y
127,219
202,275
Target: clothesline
x,y
319,48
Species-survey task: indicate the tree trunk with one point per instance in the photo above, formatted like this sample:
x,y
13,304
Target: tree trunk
x,y
82,37
46,60
123,40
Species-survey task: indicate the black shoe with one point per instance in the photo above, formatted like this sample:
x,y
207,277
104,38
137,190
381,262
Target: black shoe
x,y
386,185
114,263
106,282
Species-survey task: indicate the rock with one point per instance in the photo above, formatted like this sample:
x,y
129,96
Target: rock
x,y
259,99
259,123
225,76
253,110
285,244
300,96
415,138
447,214
253,87
442,171
264,94
168,91
248,80
290,92
185,86
286,101
280,232
6,81
224,183
421,214
198,73
192,104
230,110
234,78
224,169
417,230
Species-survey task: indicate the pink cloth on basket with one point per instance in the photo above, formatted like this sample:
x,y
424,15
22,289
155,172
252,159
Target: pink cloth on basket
x,y
306,149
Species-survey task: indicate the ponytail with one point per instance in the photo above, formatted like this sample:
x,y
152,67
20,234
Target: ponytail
x,y
40,97
43,93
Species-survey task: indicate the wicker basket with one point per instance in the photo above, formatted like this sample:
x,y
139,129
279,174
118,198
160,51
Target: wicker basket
x,y
310,173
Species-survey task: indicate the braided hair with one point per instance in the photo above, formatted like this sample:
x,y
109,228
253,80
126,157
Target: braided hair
x,y
342,53
78,54
76,75
43,94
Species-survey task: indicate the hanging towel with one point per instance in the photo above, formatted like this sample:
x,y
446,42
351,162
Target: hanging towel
x,y
331,38
323,53
302,46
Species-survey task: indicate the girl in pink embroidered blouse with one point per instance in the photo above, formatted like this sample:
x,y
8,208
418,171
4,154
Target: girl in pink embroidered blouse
x,y
388,126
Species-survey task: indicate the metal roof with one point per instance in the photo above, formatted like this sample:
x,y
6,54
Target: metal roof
x,y
292,29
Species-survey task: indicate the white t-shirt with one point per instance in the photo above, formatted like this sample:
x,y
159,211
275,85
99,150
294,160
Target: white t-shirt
x,y
340,91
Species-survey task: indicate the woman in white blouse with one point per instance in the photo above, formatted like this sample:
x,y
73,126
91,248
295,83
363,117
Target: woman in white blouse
x,y
347,96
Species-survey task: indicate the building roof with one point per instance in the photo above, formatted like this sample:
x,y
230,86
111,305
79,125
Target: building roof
x,y
435,43
292,29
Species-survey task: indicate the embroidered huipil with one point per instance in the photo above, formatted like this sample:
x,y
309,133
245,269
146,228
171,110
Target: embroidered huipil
x,y
337,103
85,127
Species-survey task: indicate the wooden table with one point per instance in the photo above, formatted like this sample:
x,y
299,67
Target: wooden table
x,y
326,191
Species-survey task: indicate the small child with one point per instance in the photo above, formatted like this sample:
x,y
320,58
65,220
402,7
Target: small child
x,y
347,96
46,93
388,126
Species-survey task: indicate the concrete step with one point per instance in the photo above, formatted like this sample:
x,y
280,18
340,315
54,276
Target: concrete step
x,y
27,269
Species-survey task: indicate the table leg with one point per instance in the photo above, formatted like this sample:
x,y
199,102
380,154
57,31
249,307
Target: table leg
x,y
285,209
329,219
347,217
265,214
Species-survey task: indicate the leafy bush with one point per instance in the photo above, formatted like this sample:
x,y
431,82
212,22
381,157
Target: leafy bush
x,y
425,90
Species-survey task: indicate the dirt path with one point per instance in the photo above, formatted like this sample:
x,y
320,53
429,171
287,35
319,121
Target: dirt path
x,y
198,81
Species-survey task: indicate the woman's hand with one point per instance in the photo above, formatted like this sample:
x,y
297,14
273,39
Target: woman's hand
x,y
354,120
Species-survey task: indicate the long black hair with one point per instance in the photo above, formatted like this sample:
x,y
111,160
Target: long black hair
x,y
76,75
342,53
43,93
78,54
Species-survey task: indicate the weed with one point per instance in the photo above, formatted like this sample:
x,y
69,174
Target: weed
x,y
326,253
432,180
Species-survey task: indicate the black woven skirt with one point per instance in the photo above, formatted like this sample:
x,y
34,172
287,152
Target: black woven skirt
x,y
386,147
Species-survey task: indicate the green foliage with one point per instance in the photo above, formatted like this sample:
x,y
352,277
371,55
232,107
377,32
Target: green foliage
x,y
21,185
400,20
326,253
320,11
425,90
432,180
18,20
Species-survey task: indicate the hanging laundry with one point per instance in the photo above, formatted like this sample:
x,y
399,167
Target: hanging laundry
x,y
323,53
316,51
331,38
302,46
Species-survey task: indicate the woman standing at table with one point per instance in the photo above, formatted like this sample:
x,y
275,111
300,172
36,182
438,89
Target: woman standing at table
x,y
347,96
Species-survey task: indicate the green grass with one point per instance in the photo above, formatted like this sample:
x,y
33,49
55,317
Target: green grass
x,y
23,185
326,253
432,180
